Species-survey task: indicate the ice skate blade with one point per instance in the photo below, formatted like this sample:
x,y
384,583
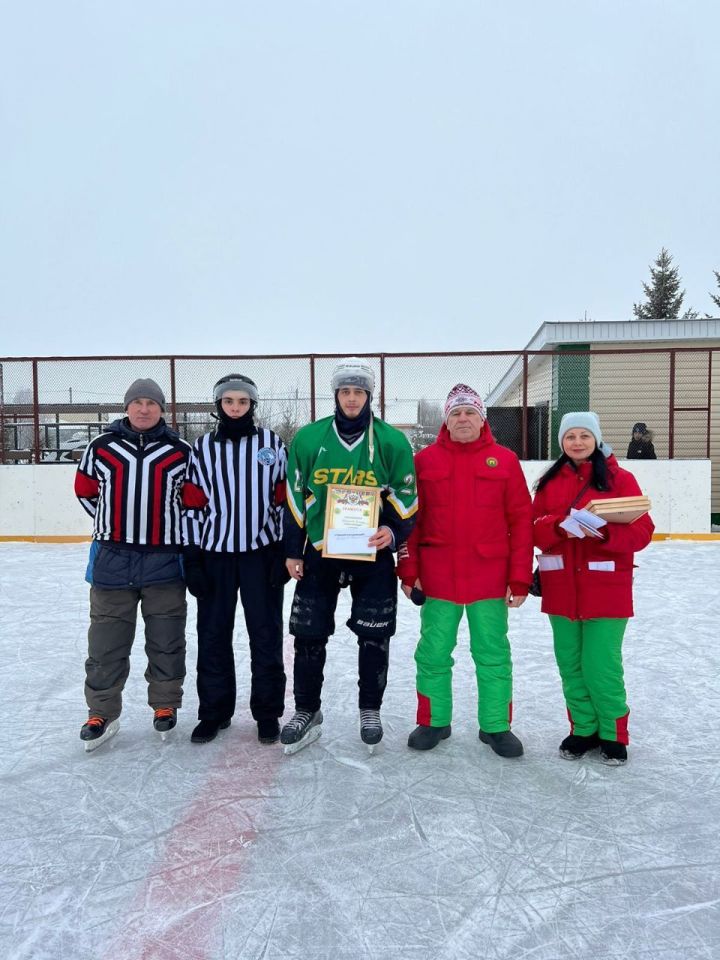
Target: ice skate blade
x,y
310,737
566,755
371,747
110,731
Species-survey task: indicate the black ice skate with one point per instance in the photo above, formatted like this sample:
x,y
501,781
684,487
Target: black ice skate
x,y
164,719
97,730
371,731
301,730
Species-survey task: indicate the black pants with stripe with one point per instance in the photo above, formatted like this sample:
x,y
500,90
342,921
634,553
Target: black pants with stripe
x,y
248,573
373,587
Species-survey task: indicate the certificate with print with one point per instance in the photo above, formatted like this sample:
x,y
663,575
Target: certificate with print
x,y
351,518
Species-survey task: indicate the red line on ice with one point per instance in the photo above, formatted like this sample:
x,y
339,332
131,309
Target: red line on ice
x,y
177,913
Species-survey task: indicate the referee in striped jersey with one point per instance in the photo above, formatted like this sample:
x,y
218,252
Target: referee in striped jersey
x,y
233,527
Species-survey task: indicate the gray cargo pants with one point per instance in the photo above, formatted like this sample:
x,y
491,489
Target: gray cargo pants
x,y
113,615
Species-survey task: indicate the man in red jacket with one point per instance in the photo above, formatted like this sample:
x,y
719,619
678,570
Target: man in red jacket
x,y
471,549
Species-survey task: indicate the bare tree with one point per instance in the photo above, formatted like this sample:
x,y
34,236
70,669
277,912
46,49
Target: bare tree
x,y
429,421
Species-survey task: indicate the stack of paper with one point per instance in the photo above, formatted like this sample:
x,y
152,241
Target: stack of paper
x,y
620,509
583,524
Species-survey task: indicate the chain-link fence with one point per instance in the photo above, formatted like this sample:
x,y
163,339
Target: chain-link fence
x,y
50,408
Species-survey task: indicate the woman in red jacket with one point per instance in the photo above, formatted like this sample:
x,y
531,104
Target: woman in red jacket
x,y
587,586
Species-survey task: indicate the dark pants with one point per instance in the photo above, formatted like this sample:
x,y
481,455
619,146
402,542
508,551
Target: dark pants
x,y
373,587
113,615
226,573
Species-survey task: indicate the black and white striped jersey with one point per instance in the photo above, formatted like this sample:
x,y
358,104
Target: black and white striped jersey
x,y
131,485
234,492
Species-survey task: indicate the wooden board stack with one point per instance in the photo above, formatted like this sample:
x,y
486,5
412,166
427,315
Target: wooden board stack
x,y
620,509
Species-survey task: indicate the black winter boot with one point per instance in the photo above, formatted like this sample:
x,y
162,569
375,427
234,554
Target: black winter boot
x,y
505,743
207,730
612,753
268,730
425,738
574,746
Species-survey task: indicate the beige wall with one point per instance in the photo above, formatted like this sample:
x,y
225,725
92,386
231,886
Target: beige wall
x,y
625,388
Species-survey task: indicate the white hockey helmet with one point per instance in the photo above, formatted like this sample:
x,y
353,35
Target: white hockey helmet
x,y
353,372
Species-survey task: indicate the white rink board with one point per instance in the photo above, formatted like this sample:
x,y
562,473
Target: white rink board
x,y
38,500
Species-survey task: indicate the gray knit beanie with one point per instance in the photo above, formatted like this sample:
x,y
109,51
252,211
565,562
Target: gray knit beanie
x,y
144,390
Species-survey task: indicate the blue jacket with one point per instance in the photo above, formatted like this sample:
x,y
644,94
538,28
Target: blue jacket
x,y
113,566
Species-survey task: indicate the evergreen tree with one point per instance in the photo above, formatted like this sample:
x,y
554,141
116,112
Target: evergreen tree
x,y
664,297
715,299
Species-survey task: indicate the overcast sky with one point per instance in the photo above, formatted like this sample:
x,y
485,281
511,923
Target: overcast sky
x,y
299,176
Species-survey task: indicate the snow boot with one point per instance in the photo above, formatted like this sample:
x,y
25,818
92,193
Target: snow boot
x,y
164,719
303,728
371,731
425,738
505,743
268,730
612,753
574,746
97,730
207,730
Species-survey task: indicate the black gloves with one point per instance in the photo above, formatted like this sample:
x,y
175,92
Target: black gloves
x,y
417,597
279,575
195,577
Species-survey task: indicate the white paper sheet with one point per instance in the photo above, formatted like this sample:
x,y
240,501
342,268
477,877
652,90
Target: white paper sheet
x,y
351,541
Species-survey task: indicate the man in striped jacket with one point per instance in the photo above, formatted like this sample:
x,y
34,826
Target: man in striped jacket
x,y
130,480
233,500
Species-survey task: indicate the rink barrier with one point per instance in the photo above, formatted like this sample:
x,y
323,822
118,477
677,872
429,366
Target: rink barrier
x,y
38,504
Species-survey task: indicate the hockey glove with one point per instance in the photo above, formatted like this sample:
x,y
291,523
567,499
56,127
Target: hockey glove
x,y
195,577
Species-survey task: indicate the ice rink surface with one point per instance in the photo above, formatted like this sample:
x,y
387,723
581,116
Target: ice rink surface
x,y
233,851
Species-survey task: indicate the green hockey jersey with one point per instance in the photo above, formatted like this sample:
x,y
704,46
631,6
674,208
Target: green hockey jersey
x,y
381,457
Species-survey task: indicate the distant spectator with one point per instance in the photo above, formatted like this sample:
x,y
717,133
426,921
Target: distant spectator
x,y
641,445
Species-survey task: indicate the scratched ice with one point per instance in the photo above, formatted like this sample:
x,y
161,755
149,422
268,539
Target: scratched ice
x,y
173,851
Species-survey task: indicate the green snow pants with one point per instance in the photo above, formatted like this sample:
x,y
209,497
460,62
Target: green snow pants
x,y
589,657
490,649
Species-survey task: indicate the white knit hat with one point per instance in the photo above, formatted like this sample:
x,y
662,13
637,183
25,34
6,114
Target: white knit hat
x,y
584,420
353,372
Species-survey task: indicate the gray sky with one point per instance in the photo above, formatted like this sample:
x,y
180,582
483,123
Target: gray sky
x,y
299,176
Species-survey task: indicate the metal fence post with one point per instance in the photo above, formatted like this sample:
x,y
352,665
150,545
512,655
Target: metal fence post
x,y
173,396
312,387
382,386
671,411
36,414
524,438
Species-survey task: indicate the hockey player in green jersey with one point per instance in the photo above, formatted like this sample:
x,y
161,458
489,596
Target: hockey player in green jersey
x,y
351,447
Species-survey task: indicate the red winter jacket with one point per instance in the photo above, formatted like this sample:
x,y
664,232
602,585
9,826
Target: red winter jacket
x,y
584,579
473,535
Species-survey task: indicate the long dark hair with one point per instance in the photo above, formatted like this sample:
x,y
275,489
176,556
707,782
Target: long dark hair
x,y
599,477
